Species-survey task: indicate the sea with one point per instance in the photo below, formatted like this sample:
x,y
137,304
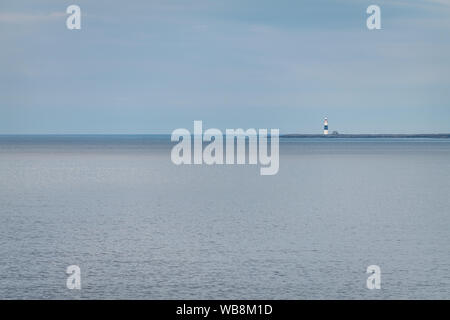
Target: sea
x,y
140,227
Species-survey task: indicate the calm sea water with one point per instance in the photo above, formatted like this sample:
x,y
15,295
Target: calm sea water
x,y
140,227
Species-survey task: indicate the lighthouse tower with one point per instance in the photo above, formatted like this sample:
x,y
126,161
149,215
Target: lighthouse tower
x,y
325,126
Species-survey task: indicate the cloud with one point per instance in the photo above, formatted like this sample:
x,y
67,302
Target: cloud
x,y
15,17
443,2
419,3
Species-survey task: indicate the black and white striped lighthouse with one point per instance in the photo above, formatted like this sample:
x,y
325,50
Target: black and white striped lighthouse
x,y
325,126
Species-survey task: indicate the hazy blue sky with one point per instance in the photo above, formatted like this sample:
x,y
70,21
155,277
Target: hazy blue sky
x,y
154,66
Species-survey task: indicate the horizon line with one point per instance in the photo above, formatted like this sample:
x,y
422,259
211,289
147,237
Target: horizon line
x,y
292,134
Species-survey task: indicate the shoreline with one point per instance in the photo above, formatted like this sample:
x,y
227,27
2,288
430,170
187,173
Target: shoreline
x,y
126,136
337,136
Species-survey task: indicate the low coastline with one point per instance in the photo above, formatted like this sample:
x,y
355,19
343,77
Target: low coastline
x,y
334,136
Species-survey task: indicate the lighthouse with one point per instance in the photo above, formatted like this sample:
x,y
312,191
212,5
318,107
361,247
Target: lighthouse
x,y
325,126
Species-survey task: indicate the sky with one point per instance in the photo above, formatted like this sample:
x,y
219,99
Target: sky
x,y
153,66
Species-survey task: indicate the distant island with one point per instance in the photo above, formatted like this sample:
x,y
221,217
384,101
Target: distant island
x,y
339,135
